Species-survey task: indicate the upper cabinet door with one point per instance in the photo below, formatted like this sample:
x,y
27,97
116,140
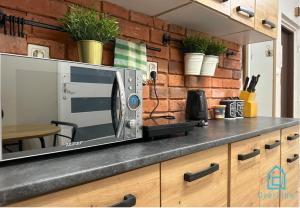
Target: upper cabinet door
x,y
222,6
266,18
243,11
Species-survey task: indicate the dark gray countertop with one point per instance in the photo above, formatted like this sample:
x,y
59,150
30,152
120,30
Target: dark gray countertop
x,y
22,180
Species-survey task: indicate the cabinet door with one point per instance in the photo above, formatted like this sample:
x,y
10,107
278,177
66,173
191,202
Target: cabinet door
x,y
266,18
290,165
269,167
197,180
220,6
142,186
243,11
244,173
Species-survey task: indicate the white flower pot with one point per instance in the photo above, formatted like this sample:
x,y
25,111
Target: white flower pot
x,y
193,63
209,65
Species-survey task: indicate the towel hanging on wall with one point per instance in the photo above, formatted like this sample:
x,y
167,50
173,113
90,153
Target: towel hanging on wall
x,y
131,55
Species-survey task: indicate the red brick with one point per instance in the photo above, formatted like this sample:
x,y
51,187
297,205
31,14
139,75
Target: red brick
x,y
213,102
176,44
223,73
164,53
218,83
179,116
177,105
115,10
141,18
221,93
177,92
236,93
221,61
236,74
160,24
15,45
96,5
156,36
48,34
146,91
194,81
190,32
162,92
134,30
162,79
232,64
108,57
231,83
148,106
162,65
177,29
176,80
176,67
237,56
147,116
50,8
176,54
72,51
232,46
57,50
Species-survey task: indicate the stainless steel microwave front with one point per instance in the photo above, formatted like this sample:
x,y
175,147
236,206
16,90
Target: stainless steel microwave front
x,y
52,106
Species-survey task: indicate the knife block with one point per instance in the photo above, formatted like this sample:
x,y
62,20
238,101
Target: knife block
x,y
250,105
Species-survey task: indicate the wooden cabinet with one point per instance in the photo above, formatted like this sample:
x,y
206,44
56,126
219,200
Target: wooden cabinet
x,y
290,166
220,6
266,17
198,179
244,173
269,167
243,11
139,187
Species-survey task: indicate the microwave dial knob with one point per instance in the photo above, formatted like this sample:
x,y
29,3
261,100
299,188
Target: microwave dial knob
x,y
131,124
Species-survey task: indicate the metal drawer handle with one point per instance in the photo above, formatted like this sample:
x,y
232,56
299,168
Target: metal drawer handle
x,y
272,146
245,11
128,201
268,23
294,137
189,177
290,160
249,155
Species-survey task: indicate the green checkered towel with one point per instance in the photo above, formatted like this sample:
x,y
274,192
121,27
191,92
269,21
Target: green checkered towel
x,y
130,55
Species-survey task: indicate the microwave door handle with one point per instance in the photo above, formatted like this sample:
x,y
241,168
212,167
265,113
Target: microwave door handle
x,y
122,103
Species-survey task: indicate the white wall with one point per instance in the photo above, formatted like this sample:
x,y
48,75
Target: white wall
x,y
262,64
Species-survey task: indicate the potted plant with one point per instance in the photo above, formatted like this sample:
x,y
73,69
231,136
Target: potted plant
x,y
211,59
194,48
90,29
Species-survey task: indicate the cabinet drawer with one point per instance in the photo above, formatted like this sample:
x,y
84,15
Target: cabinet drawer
x,y
143,184
220,6
243,11
269,165
207,172
244,172
289,150
266,18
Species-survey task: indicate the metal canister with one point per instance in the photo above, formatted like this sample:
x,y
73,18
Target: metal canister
x,y
240,108
231,110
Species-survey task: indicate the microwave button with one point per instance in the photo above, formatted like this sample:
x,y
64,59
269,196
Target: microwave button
x,y
130,87
129,80
131,124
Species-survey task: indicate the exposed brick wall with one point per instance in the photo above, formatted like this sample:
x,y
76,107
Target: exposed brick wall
x,y
172,84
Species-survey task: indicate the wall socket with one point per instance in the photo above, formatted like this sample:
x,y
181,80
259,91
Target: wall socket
x,y
151,66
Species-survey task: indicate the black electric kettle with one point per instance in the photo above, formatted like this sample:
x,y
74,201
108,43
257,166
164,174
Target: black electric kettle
x,y
196,107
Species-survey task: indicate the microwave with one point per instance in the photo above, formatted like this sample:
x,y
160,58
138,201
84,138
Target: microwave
x,y
50,106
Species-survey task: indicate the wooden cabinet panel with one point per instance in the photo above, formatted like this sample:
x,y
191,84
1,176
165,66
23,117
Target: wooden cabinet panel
x,y
244,173
266,18
143,183
209,190
247,9
289,197
220,6
269,162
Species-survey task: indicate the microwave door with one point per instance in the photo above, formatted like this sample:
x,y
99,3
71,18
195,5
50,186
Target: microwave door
x,y
86,100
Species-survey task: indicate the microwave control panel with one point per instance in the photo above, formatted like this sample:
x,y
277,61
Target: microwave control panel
x,y
133,81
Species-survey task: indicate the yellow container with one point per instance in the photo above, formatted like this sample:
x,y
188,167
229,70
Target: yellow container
x,y
90,51
250,105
